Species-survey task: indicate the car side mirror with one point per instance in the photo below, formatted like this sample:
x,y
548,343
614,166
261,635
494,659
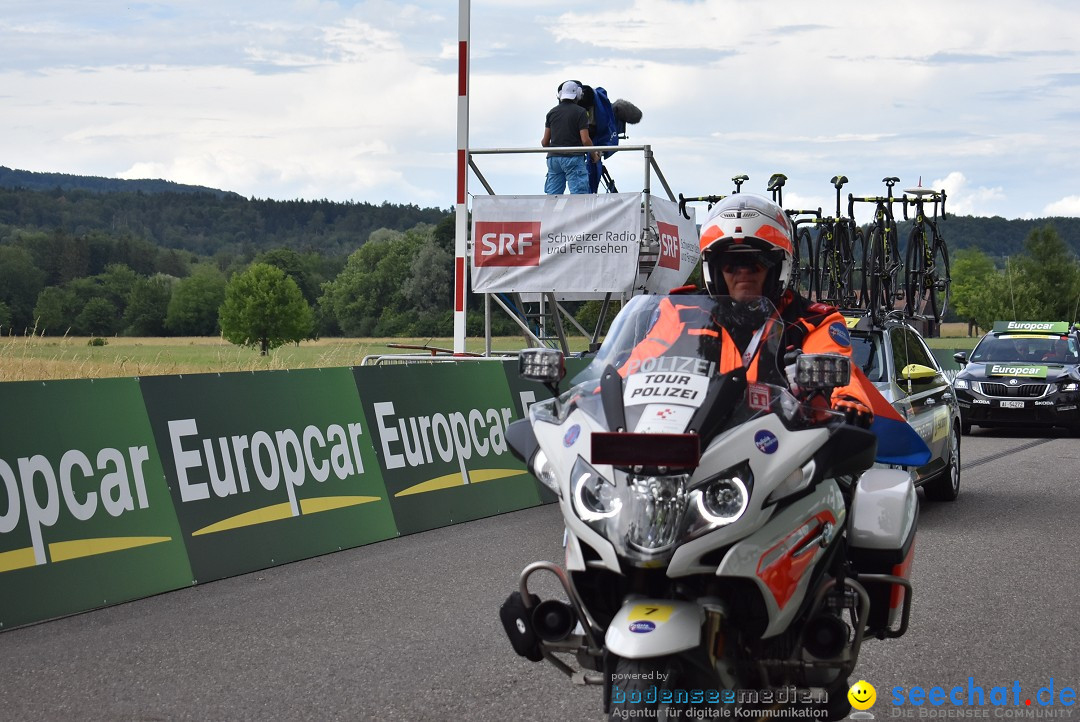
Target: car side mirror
x,y
917,373
960,357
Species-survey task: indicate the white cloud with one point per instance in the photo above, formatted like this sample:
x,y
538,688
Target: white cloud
x,y
1067,206
358,101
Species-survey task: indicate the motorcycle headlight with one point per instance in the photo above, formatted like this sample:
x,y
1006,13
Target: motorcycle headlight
x,y
961,384
655,506
595,498
543,470
721,500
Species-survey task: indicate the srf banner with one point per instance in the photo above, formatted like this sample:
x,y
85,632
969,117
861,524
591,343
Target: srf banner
x,y
679,246
440,439
584,243
85,514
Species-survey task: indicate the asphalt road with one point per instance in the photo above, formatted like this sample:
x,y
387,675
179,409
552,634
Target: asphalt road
x,y
408,629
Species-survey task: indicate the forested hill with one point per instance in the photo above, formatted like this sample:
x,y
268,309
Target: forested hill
x,y
32,181
205,221
997,237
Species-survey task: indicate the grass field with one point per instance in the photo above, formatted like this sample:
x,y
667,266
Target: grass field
x,y
37,358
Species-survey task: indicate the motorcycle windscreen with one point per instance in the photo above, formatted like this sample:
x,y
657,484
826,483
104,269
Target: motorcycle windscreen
x,y
669,351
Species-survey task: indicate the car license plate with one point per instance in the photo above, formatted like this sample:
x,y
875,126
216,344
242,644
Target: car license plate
x,y
1012,404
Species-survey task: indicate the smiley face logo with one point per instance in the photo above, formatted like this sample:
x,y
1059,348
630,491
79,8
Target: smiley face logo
x,y
862,695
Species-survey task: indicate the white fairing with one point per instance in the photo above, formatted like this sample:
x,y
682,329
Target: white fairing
x,y
778,556
883,510
654,627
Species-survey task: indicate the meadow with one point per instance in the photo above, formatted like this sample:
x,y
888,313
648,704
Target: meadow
x,y
44,358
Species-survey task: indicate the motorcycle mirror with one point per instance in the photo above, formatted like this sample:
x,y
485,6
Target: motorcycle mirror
x,y
820,371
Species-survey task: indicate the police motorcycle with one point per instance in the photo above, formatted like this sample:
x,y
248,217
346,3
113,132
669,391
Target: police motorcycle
x,y
727,543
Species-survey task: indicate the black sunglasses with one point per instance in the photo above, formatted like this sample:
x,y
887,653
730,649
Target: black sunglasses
x,y
734,261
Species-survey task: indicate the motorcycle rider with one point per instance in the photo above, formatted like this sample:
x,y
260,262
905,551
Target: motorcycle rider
x,y
747,251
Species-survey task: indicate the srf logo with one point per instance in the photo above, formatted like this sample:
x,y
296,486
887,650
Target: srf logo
x,y
506,243
669,245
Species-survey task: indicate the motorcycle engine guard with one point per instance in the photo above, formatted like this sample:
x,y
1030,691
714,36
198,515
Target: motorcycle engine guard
x,y
654,627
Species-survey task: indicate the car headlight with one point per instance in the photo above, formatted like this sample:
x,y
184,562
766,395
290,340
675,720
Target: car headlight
x,y
961,384
1071,386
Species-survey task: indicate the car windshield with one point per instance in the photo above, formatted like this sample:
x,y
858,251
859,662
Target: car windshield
x,y
867,354
1027,349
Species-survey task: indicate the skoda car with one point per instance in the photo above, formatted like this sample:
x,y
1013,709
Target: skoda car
x,y
1022,373
896,359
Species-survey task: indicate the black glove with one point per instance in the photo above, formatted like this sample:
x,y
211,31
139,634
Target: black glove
x,y
855,411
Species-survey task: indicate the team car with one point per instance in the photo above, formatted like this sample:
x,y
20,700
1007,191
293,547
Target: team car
x,y
1022,373
896,359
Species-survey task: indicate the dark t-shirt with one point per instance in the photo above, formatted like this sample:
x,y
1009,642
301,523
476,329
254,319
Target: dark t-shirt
x,y
566,121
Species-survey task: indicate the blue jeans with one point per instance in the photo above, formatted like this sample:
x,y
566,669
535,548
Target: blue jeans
x,y
566,170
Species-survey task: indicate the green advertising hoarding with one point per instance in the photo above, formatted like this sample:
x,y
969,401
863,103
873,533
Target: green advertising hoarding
x,y
85,514
267,468
440,436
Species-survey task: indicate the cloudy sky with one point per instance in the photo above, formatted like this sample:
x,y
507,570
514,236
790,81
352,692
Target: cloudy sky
x,y
357,101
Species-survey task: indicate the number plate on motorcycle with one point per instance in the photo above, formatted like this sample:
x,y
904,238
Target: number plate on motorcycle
x,y
1012,404
628,449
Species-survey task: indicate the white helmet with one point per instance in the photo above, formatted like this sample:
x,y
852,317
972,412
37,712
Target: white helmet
x,y
746,223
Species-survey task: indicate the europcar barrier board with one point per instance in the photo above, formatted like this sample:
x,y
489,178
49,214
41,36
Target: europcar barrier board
x,y
117,489
267,468
441,442
86,519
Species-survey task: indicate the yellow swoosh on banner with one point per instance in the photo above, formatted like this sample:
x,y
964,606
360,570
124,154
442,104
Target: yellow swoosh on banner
x,y
327,503
16,559
277,512
65,550
451,480
76,549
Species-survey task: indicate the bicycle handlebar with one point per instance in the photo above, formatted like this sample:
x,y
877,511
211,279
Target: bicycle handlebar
x,y
683,200
880,200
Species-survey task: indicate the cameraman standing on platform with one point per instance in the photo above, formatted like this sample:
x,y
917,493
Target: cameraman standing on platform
x,y
567,125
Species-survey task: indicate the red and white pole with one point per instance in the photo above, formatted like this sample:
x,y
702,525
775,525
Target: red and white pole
x,y
461,244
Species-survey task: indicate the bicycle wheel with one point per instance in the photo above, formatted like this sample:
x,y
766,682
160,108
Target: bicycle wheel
x,y
915,271
861,276
845,266
824,284
882,274
939,279
804,262
894,265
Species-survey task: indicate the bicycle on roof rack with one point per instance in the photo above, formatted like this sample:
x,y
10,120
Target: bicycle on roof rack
x,y
882,264
835,260
710,199
803,251
927,279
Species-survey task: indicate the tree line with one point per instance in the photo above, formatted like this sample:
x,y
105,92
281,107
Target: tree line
x,y
149,263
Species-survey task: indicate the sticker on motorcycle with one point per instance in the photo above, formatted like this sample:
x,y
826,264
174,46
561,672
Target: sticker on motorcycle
x,y
571,436
757,397
766,441
654,612
664,387
664,419
642,627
